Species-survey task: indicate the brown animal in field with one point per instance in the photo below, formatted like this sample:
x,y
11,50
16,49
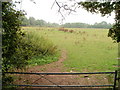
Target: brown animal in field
x,y
61,29
65,30
71,31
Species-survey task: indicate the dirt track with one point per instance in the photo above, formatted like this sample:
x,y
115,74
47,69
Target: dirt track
x,y
59,79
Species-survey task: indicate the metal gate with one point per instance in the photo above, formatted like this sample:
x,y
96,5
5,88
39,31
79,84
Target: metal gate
x,y
28,85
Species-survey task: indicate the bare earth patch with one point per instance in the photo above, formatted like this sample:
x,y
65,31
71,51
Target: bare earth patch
x,y
52,67
59,79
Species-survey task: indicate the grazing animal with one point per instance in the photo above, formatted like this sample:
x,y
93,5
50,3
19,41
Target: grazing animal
x,y
71,31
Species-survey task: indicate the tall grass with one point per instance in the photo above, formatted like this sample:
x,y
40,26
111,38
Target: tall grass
x,y
43,50
41,44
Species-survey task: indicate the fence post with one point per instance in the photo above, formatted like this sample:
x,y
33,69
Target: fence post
x,y
118,65
115,78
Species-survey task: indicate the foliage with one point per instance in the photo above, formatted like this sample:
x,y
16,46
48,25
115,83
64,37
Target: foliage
x,y
106,8
11,39
102,24
75,25
32,22
11,36
25,21
40,50
40,46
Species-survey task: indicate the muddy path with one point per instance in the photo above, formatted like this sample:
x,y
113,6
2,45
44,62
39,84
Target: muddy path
x,y
52,67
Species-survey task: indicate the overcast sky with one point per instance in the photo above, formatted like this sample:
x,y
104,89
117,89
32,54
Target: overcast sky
x,y
42,10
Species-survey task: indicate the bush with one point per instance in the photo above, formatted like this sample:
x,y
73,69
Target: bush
x,y
39,44
40,50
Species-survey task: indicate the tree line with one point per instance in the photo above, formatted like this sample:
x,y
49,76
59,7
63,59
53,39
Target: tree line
x,y
31,21
102,24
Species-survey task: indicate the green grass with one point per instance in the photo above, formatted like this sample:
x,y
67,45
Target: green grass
x,y
38,60
87,49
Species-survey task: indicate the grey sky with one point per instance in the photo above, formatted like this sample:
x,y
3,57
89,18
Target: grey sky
x,y
42,10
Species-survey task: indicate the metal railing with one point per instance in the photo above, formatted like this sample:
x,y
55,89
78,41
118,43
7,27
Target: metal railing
x,y
31,73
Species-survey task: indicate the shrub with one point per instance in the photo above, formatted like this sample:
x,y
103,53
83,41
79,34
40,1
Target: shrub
x,y
42,50
39,44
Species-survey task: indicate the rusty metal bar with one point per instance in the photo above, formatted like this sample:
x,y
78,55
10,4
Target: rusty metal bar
x,y
62,85
59,73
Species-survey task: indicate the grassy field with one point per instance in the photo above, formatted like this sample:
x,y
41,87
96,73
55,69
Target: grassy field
x,y
87,49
